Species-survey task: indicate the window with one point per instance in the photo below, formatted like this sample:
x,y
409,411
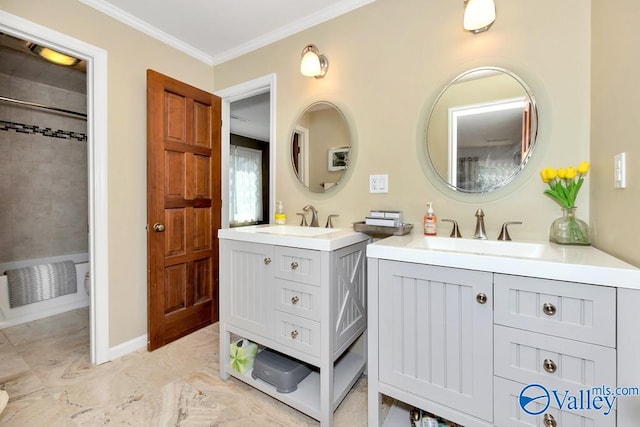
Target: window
x,y
245,185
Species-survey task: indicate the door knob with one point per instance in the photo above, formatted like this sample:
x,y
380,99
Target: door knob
x,y
549,309
158,227
481,298
549,366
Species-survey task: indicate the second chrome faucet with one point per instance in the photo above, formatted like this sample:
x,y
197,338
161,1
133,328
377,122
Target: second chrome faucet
x,y
480,232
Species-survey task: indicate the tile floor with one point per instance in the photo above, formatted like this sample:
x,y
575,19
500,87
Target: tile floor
x,y
45,368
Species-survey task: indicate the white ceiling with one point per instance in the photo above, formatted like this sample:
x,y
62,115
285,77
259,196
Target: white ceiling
x,y
216,31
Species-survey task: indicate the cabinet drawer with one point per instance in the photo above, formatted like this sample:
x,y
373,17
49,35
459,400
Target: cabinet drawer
x,y
509,413
298,265
297,332
298,299
570,310
559,363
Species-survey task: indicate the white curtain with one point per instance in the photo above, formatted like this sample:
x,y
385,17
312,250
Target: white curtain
x,y
245,185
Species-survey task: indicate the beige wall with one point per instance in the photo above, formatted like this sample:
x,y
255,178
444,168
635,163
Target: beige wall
x,y
614,115
130,53
388,62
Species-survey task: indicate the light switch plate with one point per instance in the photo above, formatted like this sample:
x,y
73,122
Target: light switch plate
x,y
620,170
378,183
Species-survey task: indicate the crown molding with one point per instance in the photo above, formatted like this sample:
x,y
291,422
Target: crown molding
x,y
140,25
290,29
279,34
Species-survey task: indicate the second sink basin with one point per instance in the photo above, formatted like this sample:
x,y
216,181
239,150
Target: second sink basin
x,y
484,247
295,230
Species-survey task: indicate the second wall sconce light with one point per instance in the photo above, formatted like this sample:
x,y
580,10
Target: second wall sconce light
x,y
313,63
479,15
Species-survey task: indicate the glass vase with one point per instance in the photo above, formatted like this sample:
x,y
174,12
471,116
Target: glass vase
x,y
569,230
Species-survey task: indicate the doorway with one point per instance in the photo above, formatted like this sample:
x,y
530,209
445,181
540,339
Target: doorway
x,y
97,155
234,97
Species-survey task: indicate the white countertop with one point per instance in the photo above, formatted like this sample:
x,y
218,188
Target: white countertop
x,y
322,239
584,264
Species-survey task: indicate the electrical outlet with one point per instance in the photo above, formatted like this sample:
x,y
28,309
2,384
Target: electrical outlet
x,y
378,183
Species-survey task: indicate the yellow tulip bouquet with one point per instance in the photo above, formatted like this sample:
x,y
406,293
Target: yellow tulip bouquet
x,y
564,185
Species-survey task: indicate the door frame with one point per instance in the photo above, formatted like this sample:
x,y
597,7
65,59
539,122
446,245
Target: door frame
x,y
235,93
97,157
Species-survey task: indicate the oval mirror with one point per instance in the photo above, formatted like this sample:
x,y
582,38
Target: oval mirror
x,y
482,130
320,147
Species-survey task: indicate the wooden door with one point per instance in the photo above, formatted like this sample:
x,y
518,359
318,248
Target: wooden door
x,y
183,208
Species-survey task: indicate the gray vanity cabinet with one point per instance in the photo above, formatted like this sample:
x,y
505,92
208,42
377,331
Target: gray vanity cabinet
x,y
306,303
434,340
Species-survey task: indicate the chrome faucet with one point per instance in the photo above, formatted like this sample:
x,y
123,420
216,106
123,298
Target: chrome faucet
x,y
314,215
329,223
480,232
504,234
455,231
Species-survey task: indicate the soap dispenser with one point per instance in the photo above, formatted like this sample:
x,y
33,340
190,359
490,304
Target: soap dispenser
x,y
281,216
430,221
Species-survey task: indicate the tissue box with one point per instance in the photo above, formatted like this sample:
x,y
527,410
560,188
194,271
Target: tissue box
x,y
242,355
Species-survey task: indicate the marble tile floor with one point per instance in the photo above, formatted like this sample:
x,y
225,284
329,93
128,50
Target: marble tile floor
x,y
45,368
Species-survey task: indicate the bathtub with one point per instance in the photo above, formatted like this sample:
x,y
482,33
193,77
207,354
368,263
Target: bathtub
x,y
38,310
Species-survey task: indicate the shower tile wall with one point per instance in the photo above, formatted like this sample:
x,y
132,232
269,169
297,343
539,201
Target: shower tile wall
x,y
43,179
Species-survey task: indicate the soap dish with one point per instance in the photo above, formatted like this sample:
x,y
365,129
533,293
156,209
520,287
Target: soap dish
x,y
382,231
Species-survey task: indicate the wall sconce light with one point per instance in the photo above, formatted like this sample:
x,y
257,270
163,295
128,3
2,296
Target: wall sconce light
x,y
53,55
479,15
313,63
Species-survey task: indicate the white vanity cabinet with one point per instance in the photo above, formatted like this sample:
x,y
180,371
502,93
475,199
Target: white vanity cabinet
x,y
476,339
307,303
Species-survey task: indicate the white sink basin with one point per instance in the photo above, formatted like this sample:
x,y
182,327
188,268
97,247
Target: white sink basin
x,y
316,238
484,247
295,230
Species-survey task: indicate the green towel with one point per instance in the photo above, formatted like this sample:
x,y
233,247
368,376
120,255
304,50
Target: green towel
x,y
242,354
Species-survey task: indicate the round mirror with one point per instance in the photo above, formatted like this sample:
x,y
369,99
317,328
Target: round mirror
x,y
482,130
320,145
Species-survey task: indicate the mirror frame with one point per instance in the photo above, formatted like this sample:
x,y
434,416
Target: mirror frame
x,y
296,128
532,136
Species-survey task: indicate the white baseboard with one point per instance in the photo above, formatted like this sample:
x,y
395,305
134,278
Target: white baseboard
x,y
128,347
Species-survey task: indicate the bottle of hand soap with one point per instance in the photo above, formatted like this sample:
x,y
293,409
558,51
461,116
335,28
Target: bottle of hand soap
x,y
430,222
281,216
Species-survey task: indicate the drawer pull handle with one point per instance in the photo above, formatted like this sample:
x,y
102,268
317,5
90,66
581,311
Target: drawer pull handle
x,y
549,366
549,309
481,298
549,421
295,300
294,265
267,261
294,334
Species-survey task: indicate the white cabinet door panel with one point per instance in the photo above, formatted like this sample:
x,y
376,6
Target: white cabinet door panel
x,y
435,338
250,304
